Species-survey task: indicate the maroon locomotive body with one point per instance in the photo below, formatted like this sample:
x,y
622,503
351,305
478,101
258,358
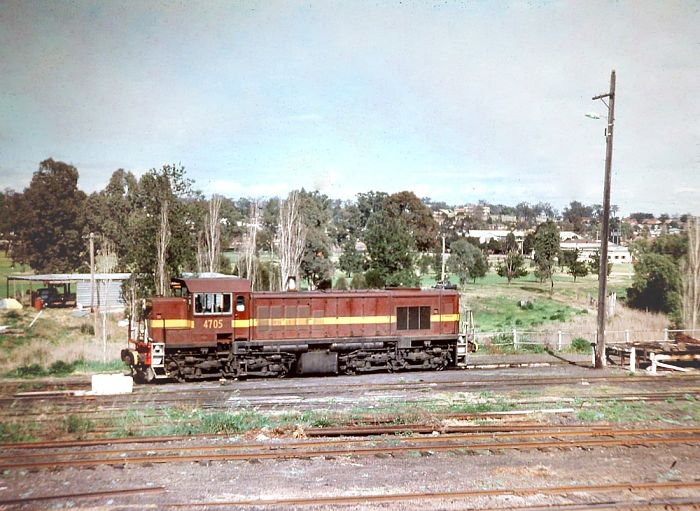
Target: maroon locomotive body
x,y
218,327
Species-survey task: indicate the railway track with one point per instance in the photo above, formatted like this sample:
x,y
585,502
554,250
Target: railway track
x,y
333,385
356,500
559,438
98,411
632,489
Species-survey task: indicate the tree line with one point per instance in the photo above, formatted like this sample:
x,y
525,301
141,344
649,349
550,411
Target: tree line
x,y
158,225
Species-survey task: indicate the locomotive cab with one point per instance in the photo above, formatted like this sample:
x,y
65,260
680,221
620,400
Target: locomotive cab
x,y
195,327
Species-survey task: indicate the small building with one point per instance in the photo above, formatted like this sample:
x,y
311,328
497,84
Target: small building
x,y
587,249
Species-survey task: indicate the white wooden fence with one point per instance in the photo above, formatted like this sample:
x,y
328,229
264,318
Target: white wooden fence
x,y
560,340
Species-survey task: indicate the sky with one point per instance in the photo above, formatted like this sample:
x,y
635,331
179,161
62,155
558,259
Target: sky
x,y
457,101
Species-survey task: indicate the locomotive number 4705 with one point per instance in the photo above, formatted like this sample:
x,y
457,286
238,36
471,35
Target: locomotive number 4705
x,y
213,323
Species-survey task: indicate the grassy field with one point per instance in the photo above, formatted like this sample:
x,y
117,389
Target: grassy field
x,y
526,303
58,340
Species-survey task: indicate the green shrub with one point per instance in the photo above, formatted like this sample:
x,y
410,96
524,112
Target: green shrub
x,y
581,345
560,315
358,281
77,425
374,279
12,315
87,328
27,371
341,284
60,368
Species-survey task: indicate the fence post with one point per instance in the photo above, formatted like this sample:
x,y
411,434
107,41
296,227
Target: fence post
x,y
515,339
627,336
605,358
633,360
559,340
665,334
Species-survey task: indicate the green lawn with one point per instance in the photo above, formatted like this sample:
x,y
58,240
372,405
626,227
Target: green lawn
x,y
502,313
6,269
496,304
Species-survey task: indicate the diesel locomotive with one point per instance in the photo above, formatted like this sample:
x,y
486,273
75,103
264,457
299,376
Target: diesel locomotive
x,y
219,327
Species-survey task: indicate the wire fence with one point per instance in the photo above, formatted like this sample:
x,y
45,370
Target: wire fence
x,y
561,340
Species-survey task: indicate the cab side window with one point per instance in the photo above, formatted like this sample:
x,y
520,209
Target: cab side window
x,y
212,303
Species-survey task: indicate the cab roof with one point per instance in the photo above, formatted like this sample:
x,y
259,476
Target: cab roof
x,y
213,285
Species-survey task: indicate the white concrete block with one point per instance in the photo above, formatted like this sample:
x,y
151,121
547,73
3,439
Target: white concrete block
x,y
106,384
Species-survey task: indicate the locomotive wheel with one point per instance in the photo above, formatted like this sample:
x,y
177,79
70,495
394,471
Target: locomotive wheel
x,y
141,376
176,372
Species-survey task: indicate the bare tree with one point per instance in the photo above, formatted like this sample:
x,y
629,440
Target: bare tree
x,y
292,237
247,261
106,260
201,253
691,276
212,234
162,251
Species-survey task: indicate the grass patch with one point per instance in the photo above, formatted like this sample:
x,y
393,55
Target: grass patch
x,y
77,425
94,366
484,407
178,421
13,432
616,411
503,344
61,368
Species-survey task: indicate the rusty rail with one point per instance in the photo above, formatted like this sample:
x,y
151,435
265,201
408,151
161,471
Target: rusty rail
x,y
455,495
425,440
309,450
88,495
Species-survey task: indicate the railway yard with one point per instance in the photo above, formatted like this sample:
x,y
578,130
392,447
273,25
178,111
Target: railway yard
x,y
530,432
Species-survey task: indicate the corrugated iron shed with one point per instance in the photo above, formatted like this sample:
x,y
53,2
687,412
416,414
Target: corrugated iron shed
x,y
107,289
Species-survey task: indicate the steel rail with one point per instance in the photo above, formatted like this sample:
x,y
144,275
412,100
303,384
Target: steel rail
x,y
88,495
49,444
374,430
666,504
444,438
448,495
282,454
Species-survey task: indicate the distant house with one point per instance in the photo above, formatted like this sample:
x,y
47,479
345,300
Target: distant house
x,y
569,235
504,219
587,249
654,226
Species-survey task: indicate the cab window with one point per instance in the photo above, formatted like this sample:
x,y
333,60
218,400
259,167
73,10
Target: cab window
x,y
212,303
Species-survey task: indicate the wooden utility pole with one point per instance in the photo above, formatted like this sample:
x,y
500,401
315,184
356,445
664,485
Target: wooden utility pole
x,y
93,309
605,231
442,272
